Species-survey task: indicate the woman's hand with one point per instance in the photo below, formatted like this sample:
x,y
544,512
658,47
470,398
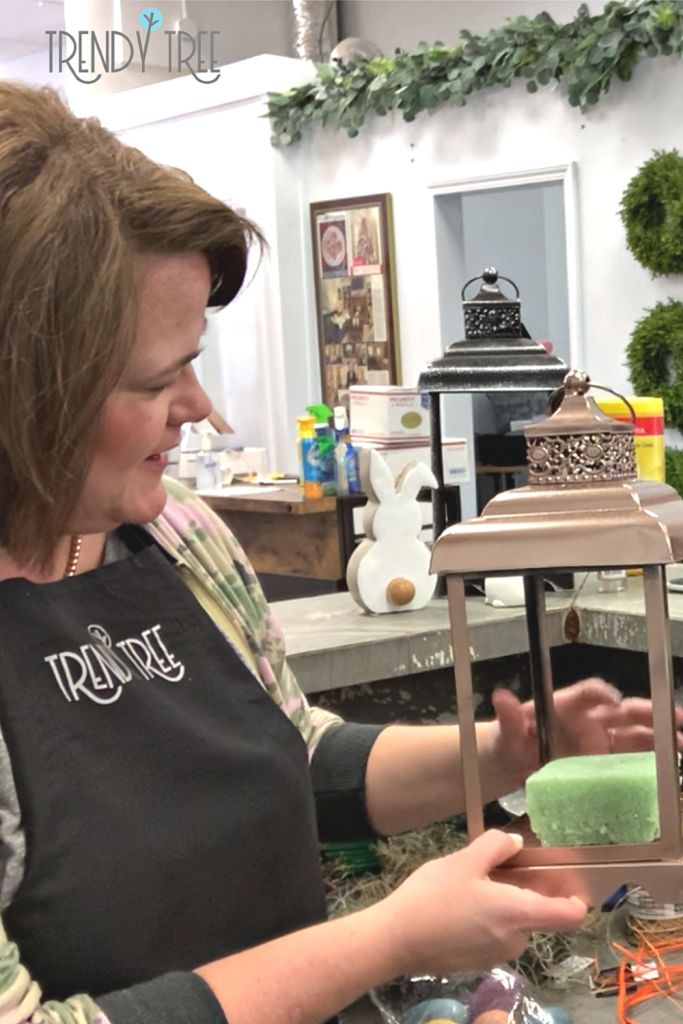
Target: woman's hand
x,y
591,716
449,915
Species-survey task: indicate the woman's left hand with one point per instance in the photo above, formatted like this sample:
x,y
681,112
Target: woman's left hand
x,y
591,718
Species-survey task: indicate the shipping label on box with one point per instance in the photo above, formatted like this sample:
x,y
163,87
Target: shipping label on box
x,y
388,413
456,463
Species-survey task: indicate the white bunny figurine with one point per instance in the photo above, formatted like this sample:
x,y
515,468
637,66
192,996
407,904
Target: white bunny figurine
x,y
389,571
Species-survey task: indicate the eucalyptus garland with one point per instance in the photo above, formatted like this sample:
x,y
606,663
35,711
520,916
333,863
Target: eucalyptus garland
x,y
654,356
583,56
652,212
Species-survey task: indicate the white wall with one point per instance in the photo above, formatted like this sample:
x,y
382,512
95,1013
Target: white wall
x,y
32,69
405,23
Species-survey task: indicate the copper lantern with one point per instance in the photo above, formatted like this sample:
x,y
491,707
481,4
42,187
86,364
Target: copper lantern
x,y
582,510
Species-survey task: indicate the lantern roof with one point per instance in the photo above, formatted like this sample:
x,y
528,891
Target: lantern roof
x,y
497,354
583,507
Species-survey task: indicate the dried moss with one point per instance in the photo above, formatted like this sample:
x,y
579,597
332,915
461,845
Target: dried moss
x,y
398,857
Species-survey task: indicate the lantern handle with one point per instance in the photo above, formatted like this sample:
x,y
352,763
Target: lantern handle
x,y
480,277
553,403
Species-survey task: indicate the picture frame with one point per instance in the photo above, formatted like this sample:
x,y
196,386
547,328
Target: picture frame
x,y
355,293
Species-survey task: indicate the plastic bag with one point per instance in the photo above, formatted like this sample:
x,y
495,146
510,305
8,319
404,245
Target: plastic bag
x,y
499,997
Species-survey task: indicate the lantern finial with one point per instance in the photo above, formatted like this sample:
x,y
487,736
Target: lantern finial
x,y
577,382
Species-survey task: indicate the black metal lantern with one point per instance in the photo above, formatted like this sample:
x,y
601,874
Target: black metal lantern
x,y
497,356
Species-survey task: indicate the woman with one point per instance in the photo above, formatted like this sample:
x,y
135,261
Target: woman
x,y
158,760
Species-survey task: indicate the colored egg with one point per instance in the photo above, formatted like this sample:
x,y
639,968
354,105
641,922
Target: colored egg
x,y
436,1011
492,1017
498,991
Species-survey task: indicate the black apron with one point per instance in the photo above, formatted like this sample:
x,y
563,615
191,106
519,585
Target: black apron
x,y
166,799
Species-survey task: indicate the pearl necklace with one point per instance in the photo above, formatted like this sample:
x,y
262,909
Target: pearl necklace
x,y
74,555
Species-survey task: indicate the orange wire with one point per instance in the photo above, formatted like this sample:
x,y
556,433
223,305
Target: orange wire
x,y
669,982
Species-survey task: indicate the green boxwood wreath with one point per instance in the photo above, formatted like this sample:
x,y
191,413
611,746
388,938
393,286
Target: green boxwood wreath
x,y
654,356
674,468
652,212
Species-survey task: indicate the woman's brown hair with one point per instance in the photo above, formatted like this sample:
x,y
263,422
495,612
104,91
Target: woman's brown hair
x,y
76,208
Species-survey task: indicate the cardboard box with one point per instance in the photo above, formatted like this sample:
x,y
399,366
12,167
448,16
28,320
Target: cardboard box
x,y
455,456
387,413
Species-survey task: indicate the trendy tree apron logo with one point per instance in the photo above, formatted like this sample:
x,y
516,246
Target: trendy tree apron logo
x,y
88,56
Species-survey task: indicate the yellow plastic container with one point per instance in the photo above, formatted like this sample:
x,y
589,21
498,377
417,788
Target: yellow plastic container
x,y
310,476
648,432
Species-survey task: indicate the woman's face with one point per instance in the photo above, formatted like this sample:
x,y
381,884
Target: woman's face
x,y
158,392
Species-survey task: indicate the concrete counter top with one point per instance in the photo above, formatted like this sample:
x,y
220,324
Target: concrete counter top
x,y
331,643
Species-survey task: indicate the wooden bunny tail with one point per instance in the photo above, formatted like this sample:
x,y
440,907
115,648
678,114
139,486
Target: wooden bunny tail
x,y
400,591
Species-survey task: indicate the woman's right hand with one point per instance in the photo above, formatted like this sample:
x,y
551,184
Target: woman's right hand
x,y
449,915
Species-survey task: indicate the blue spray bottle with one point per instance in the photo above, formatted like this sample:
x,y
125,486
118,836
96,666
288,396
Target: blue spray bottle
x,y
346,456
324,448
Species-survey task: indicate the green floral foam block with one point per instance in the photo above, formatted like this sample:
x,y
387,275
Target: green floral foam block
x,y
604,798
